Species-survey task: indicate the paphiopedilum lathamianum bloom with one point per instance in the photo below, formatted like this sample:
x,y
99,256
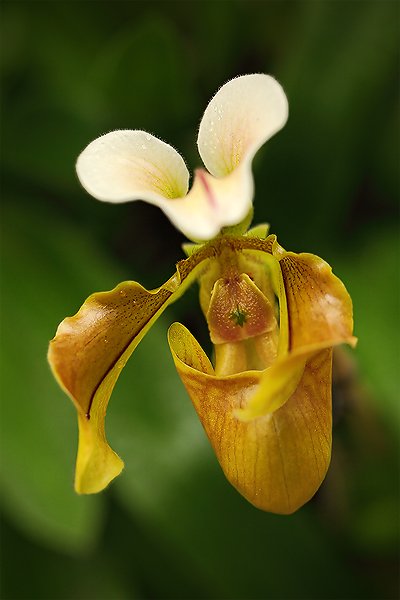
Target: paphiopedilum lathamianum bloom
x,y
273,316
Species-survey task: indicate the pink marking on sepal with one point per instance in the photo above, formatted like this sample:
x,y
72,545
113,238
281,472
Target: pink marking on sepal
x,y
201,174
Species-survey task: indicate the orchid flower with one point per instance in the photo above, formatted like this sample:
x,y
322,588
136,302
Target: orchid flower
x,y
273,316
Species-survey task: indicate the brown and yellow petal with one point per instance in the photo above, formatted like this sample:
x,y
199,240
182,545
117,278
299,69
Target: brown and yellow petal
x,y
91,348
318,304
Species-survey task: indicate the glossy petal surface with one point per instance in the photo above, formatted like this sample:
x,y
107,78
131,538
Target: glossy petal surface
x,y
319,306
276,461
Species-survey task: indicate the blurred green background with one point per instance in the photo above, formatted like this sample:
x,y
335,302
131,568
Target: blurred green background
x,y
171,526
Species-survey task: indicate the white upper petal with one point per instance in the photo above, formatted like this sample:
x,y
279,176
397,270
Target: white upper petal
x,y
241,117
211,204
134,165
131,165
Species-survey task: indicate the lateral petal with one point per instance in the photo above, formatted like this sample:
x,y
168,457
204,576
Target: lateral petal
x,y
91,348
318,304
276,461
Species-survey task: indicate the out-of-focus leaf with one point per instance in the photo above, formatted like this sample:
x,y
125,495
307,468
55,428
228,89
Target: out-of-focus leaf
x,y
53,140
371,277
339,75
62,99
43,278
163,96
50,574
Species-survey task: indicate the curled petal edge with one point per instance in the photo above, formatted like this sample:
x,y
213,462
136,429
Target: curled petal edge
x,y
281,379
